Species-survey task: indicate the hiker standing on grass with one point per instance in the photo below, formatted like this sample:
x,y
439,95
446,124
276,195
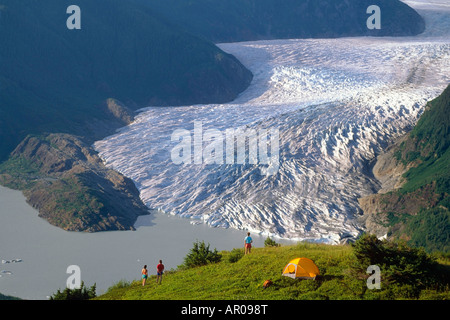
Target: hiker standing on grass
x,y
159,271
248,243
144,273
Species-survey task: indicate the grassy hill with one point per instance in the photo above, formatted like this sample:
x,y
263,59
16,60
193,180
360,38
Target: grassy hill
x,y
243,279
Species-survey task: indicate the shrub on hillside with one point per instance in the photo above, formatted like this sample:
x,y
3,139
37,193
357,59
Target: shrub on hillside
x,y
200,255
235,255
270,243
82,293
399,263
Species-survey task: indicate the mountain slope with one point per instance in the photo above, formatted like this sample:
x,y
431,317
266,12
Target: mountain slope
x,y
55,79
418,209
243,20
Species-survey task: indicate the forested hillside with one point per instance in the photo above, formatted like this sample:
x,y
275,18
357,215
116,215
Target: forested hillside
x,y
419,210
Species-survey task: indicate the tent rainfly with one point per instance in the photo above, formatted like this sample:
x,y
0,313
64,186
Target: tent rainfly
x,y
301,268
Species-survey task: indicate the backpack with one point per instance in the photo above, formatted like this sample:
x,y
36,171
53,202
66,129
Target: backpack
x,y
267,283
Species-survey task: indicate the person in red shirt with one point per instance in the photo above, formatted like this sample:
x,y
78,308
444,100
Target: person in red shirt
x,y
159,271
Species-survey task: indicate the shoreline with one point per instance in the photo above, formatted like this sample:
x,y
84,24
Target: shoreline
x,y
104,257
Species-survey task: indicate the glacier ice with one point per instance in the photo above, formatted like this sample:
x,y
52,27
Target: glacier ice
x,y
336,103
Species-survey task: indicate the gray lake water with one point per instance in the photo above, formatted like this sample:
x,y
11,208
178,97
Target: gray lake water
x,y
104,258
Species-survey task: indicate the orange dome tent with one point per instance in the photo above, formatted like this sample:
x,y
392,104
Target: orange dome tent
x,y
301,268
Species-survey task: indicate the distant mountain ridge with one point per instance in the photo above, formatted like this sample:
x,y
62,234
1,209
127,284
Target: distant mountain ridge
x,y
244,20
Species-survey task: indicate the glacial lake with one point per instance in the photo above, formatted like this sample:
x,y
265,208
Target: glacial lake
x,y
104,258
108,257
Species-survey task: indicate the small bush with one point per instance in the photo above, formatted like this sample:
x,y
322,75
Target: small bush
x,y
201,255
270,243
82,293
235,255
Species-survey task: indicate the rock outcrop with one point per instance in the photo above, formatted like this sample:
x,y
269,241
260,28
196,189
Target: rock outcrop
x,y
65,180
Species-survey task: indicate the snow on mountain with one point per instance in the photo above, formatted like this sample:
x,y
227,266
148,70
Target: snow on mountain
x,y
336,103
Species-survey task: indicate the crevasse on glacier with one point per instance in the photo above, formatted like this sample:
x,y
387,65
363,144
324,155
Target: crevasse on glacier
x,y
336,103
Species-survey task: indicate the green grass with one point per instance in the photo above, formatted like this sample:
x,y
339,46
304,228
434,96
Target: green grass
x,y
243,280
18,171
429,171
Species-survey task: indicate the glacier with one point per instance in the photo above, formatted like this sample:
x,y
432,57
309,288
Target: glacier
x,y
336,104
